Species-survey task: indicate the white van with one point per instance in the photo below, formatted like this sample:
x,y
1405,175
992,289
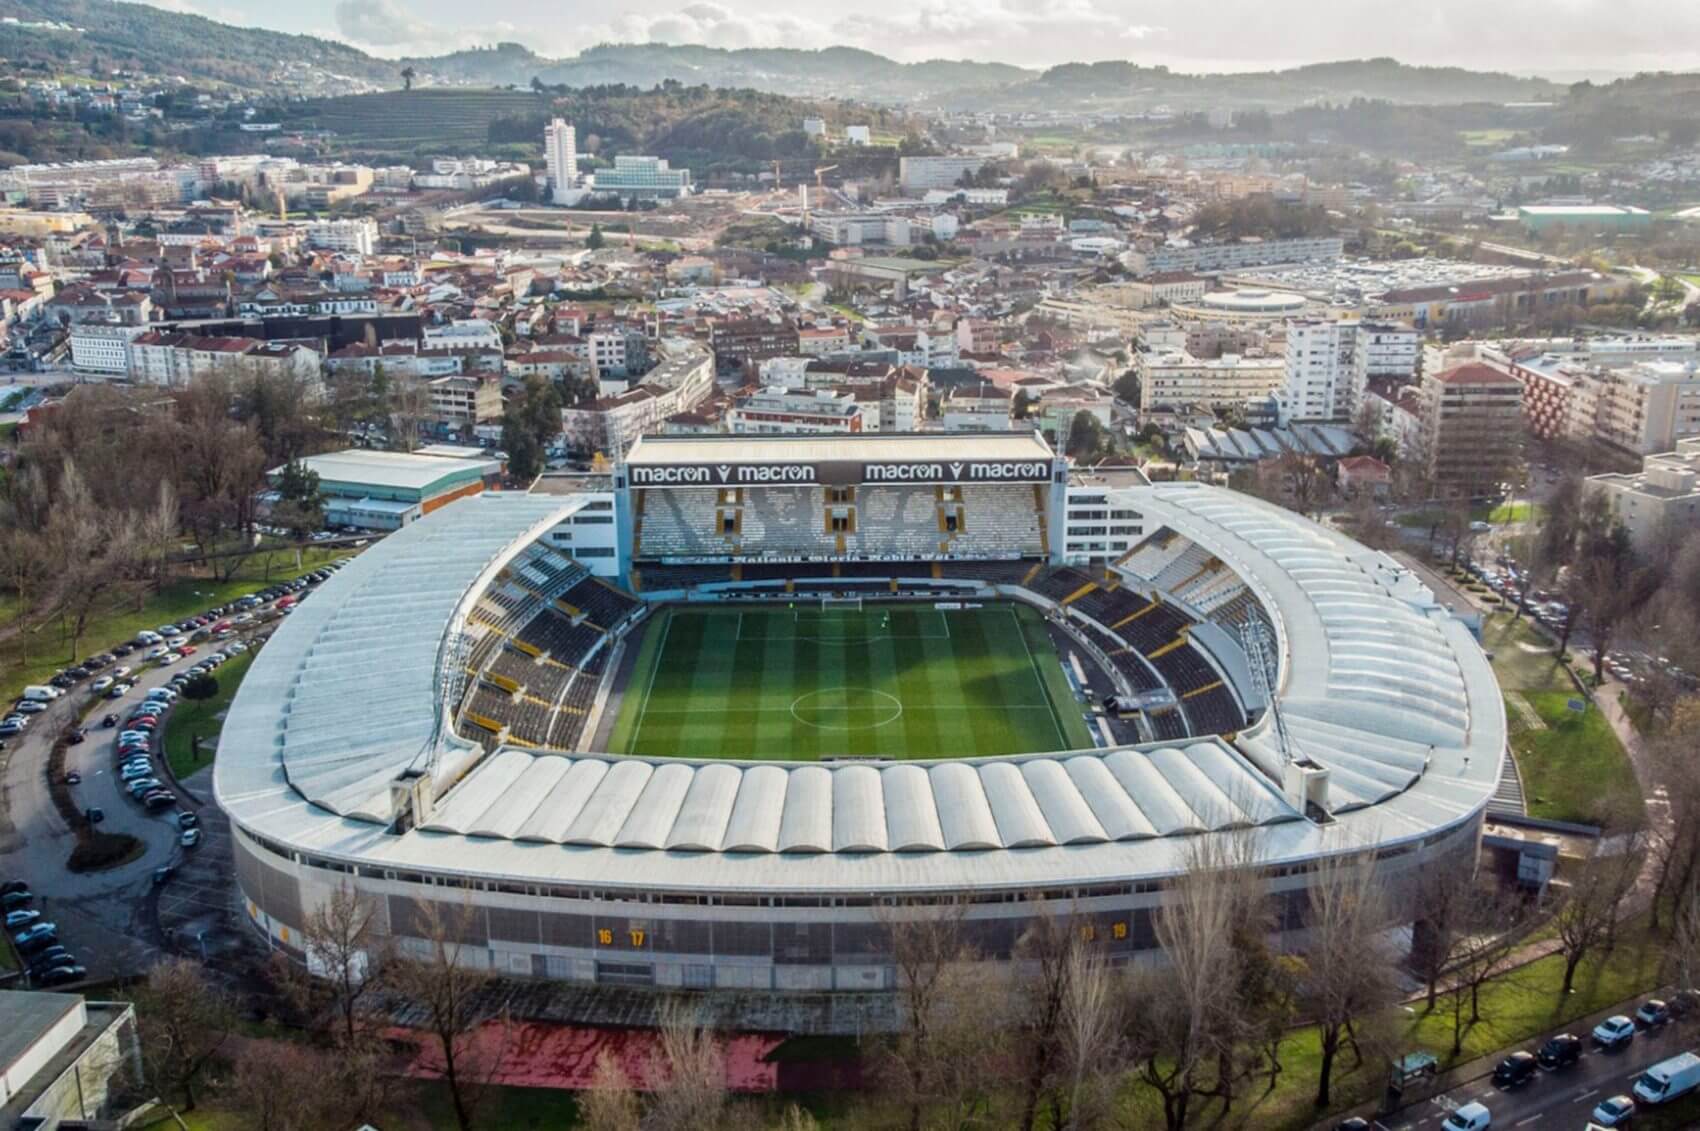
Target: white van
x,y
41,694
1470,1117
1668,1079
148,636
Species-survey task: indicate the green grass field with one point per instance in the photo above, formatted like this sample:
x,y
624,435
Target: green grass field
x,y
891,681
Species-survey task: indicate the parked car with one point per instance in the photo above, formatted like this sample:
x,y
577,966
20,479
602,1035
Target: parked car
x,y
187,820
1614,1032
159,799
102,684
35,931
30,707
1515,1070
1469,1117
13,900
49,958
10,727
76,736
111,720
62,975
1652,1014
189,838
95,814
1614,1112
21,918
11,887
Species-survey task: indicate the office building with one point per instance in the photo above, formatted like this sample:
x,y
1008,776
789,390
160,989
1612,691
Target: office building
x,y
924,174
643,178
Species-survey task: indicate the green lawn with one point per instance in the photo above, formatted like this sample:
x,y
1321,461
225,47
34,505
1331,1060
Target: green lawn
x,y
33,658
204,719
1573,766
894,681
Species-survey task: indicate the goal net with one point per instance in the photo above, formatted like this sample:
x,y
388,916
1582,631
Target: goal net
x,y
835,601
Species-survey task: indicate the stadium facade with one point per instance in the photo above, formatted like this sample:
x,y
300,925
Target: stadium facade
x,y
424,728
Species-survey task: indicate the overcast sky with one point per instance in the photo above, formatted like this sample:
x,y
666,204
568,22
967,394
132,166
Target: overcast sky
x,y
1553,37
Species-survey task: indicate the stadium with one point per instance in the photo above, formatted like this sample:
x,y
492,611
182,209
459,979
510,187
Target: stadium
x,y
717,719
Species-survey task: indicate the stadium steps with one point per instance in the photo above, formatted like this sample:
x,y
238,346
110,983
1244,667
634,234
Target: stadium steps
x,y
1197,691
1079,593
1133,616
1177,642
529,649
507,683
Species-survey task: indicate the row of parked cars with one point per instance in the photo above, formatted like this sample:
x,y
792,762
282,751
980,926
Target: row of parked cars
x,y
46,960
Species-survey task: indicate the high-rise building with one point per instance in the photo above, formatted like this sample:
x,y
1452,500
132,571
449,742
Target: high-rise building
x,y
1319,370
1472,428
560,151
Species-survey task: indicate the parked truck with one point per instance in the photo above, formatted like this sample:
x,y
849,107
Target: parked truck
x,y
1668,1079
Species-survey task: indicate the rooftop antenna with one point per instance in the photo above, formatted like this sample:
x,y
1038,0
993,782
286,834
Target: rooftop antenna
x,y
1260,653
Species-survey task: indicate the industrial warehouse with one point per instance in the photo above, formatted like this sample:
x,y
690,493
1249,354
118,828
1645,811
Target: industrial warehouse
x,y
716,719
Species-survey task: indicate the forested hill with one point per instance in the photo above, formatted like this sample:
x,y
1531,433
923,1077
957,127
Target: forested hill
x,y
97,36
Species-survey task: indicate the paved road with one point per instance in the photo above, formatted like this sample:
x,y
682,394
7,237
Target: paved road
x,y
1561,1099
102,916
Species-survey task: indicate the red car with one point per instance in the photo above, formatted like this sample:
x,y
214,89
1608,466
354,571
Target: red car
x,y
186,650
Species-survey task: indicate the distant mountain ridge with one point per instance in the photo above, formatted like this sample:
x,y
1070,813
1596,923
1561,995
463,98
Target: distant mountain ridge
x,y
121,34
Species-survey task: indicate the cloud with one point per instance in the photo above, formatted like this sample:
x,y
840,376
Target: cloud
x,y
1040,31
385,28
715,25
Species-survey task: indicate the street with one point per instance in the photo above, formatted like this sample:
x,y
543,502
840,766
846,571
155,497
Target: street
x,y
1553,1099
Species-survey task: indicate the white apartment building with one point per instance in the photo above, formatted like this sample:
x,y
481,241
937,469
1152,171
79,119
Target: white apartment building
x,y
854,230
102,347
1237,255
1384,350
779,411
919,175
1662,499
355,237
858,135
560,154
1319,376
814,127
1173,379
817,341
464,333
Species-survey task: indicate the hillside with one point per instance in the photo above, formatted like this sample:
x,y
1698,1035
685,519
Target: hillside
x,y
700,126
102,35
135,36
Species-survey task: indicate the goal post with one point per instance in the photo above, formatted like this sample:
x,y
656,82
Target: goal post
x,y
838,601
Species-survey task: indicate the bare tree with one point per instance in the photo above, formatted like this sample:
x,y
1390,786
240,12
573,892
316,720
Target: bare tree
x,y
1488,936
346,952
1038,1009
452,993
1091,1042
185,1022
292,1086
688,1074
1674,840
1587,916
1441,928
610,1103
1347,961
945,1045
1179,1011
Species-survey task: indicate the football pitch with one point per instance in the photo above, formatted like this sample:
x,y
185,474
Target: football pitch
x,y
799,681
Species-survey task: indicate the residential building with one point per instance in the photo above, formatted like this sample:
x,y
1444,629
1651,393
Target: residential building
x,y
808,411
924,174
1471,429
1237,255
678,383
560,155
1383,351
102,347
855,229
736,342
466,400
1319,371
1173,379
1660,503
976,408
817,341
356,237
858,135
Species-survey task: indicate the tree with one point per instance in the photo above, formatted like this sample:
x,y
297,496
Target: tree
x,y
346,953
451,995
1038,1009
1488,936
688,1076
185,1021
595,241
408,74
1092,1048
610,1103
294,1086
300,505
1087,438
1347,971
1587,916
1179,1011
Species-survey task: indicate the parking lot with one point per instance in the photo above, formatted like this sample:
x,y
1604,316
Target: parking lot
x,y
175,885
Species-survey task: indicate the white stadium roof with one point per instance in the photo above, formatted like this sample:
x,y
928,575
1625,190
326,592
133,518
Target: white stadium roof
x,y
1377,682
